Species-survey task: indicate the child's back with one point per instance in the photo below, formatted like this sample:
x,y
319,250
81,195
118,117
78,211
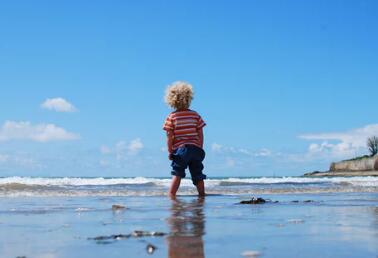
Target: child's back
x,y
184,137
185,125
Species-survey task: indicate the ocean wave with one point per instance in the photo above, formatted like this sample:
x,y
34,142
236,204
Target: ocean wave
x,y
75,181
142,186
99,181
372,181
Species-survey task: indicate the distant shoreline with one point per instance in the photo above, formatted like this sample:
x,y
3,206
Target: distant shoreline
x,y
341,173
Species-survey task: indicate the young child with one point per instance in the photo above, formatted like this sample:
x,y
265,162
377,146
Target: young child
x,y
184,137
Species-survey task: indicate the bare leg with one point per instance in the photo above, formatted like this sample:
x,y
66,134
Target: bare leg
x,y
174,186
201,188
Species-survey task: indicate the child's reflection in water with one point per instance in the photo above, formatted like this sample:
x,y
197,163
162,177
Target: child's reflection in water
x,y
187,226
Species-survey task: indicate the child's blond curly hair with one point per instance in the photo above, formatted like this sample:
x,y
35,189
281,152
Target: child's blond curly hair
x,y
179,95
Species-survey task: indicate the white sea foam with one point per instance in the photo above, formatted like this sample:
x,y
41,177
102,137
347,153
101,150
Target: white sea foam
x,y
373,181
100,181
74,181
142,186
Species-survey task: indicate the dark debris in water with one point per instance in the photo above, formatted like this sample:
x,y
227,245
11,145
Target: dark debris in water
x,y
254,200
259,200
134,234
118,207
139,233
111,237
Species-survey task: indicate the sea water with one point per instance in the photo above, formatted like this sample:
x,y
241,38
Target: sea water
x,y
303,217
142,186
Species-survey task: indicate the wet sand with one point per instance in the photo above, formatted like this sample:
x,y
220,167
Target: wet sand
x,y
299,225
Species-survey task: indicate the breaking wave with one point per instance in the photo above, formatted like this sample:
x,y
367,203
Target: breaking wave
x,y
143,186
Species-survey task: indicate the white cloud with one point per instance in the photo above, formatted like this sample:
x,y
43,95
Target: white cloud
x,y
215,147
120,146
345,144
218,148
23,130
119,150
122,149
59,105
263,153
135,146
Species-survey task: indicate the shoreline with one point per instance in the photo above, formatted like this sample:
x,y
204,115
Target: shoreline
x,y
341,173
301,225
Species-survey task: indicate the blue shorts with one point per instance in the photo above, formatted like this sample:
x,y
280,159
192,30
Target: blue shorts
x,y
188,156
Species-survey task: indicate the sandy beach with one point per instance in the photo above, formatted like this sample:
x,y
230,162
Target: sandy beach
x,y
326,224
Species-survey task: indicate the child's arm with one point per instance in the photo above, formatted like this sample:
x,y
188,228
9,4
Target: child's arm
x,y
170,137
200,135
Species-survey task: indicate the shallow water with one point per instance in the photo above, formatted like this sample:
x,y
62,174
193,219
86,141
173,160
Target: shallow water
x,y
331,225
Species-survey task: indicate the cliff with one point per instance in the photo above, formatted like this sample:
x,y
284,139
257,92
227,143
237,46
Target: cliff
x,y
365,163
361,166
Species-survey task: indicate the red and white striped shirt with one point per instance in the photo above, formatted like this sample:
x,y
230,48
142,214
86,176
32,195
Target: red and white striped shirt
x,y
185,125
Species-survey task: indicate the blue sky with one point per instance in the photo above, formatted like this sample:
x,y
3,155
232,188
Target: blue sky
x,y
285,87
